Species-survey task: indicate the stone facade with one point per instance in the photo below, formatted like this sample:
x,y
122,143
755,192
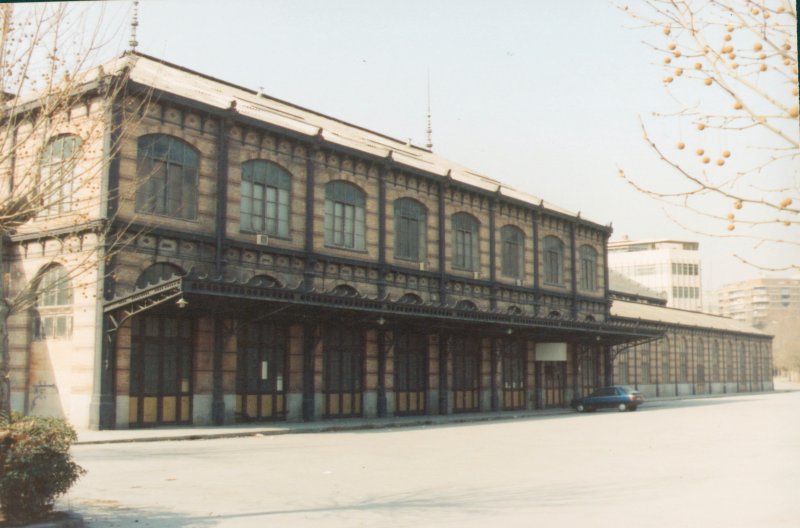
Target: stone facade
x,y
184,316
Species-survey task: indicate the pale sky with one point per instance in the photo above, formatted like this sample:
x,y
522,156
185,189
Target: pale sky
x,y
542,95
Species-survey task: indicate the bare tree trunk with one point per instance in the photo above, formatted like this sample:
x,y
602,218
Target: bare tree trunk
x,y
5,354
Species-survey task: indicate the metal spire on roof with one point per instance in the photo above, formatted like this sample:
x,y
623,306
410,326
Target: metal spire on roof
x,y
429,130
134,24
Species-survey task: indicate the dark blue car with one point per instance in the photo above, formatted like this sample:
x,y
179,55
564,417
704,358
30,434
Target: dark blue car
x,y
616,396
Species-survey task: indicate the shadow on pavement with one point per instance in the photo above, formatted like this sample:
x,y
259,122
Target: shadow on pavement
x,y
111,513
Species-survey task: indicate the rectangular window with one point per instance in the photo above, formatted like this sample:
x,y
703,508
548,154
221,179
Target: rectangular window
x,y
408,237
512,259
265,209
552,267
52,327
588,271
465,251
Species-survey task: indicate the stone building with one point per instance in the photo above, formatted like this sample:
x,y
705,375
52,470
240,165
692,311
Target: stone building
x,y
261,261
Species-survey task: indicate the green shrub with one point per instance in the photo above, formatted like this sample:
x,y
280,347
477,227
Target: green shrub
x,y
35,465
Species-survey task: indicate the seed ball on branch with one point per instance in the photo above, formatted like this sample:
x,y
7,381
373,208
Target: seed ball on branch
x,y
701,126
727,48
794,111
738,204
699,152
757,46
731,227
763,67
786,202
707,81
726,153
720,162
667,30
698,66
737,105
706,159
676,54
678,72
667,79
667,60
672,46
731,216
727,37
680,145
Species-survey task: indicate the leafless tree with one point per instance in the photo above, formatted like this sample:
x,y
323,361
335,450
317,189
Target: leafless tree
x,y
731,143
56,137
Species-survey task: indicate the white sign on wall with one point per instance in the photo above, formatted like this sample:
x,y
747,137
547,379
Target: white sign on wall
x,y
551,351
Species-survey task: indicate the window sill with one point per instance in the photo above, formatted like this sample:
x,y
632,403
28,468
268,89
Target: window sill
x,y
344,248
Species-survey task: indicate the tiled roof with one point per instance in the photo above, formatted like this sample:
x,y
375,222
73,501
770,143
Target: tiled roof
x,y
617,282
674,316
173,79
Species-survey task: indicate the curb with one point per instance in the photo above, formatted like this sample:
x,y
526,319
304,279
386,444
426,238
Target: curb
x,y
328,428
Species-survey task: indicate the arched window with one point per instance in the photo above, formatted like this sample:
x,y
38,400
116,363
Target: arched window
x,y
588,268
264,280
57,174
742,362
410,220
160,271
716,361
683,361
53,304
344,216
466,305
665,374
410,298
700,362
266,190
553,260
646,363
513,252
167,169
466,241
345,290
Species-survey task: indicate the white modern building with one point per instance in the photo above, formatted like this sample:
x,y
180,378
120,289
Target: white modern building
x,y
669,267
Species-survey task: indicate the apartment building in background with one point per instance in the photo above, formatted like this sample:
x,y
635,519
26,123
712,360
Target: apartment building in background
x,y
669,267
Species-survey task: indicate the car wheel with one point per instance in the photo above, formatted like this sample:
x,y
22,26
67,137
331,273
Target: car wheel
x,y
580,408
622,407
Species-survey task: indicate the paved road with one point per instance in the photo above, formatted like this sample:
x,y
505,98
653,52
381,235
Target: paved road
x,y
721,462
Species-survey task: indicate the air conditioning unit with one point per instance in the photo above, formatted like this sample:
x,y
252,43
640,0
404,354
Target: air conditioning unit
x,y
520,282
262,240
423,266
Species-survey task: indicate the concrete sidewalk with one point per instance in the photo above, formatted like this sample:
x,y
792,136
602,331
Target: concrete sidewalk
x,y
190,432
